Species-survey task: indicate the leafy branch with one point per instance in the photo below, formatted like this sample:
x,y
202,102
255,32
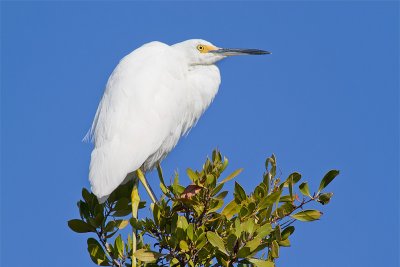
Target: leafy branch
x,y
192,226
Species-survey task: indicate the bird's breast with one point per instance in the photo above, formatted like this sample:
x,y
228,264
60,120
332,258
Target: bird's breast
x,y
202,85
198,90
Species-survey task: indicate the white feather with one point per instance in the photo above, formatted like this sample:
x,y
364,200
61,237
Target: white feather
x,y
153,97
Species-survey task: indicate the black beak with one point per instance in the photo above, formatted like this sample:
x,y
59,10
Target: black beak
x,y
239,51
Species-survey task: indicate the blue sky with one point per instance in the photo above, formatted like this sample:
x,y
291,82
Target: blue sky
x,y
328,97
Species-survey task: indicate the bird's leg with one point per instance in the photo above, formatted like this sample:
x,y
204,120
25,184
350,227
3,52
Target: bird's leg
x,y
135,206
146,185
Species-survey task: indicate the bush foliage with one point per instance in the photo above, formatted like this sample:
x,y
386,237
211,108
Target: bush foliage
x,y
193,226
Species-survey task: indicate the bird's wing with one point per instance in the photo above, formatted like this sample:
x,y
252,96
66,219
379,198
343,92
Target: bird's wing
x,y
139,108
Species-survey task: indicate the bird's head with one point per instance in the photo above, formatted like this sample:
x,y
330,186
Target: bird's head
x,y
201,52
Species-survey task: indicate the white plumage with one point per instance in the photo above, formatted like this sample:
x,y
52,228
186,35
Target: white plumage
x,y
152,98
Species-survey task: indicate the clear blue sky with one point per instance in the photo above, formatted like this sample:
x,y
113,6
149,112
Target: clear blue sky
x,y
328,97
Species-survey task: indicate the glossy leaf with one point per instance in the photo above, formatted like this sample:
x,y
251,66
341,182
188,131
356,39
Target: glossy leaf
x,y
182,223
189,226
270,199
284,243
231,242
224,164
222,195
287,232
275,249
249,247
192,175
119,245
240,194
190,231
80,226
230,210
264,230
231,176
183,246
307,215
295,176
121,224
217,242
97,253
277,233
147,255
304,189
327,179
325,198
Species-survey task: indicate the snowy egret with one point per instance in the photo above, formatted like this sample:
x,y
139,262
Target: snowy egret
x,y
152,98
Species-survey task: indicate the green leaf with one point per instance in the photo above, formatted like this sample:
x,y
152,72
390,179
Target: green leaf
x,y
275,249
97,253
222,195
249,247
119,245
174,222
264,230
277,233
272,161
243,212
307,215
201,241
230,210
304,189
217,242
327,179
284,243
240,194
231,242
217,189
183,246
163,187
249,226
110,226
295,177
122,224
216,205
83,209
216,156
177,188
174,262
269,200
286,198
122,204
287,232
261,263
147,255
80,226
211,180
88,197
122,191
182,223
160,174
325,198
224,164
190,231
192,175
232,175
156,213
285,209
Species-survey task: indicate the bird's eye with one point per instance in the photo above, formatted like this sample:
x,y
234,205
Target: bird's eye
x,y
200,48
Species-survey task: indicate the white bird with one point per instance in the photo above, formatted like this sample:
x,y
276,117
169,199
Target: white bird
x,y
152,98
